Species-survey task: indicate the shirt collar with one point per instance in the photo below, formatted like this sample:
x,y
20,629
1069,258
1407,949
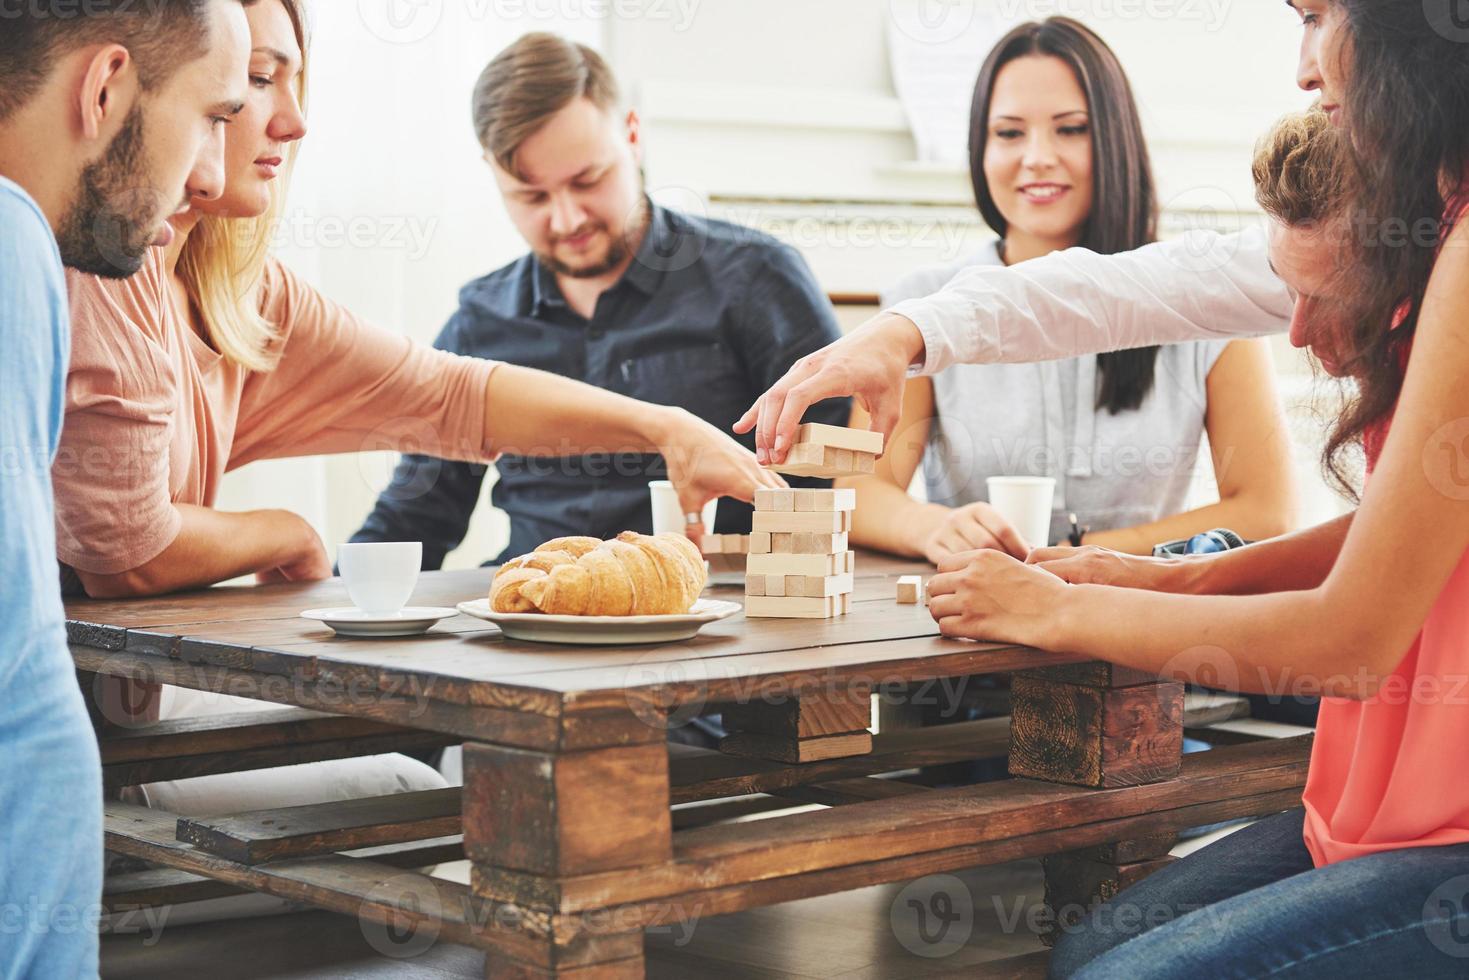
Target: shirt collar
x,y
662,249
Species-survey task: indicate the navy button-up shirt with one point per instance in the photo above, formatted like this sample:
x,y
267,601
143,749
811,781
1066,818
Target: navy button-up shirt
x,y
707,317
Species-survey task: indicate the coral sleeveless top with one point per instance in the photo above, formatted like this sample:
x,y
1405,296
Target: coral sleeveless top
x,y
1383,772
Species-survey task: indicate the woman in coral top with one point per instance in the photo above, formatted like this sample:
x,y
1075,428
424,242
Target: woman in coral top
x,y
216,355
1371,877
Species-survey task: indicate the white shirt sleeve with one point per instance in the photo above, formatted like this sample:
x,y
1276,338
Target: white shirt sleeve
x,y
1198,286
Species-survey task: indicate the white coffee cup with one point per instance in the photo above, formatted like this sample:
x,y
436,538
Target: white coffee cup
x,y
380,576
1025,502
668,515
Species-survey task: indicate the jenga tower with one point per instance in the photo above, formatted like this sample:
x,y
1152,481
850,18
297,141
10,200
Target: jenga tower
x,y
800,564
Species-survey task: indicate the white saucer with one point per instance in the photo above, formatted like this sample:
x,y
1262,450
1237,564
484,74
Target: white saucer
x,y
602,630
351,621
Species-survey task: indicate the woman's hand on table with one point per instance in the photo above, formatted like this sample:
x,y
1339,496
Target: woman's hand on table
x,y
1098,566
870,363
987,595
704,463
973,527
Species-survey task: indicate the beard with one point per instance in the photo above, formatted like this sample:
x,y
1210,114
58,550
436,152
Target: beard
x,y
621,246
115,216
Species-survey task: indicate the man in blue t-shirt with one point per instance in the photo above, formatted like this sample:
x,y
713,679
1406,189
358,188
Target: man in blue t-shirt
x,y
616,291
109,114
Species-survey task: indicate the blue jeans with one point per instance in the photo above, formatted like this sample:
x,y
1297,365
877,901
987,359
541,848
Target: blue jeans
x,y
1252,905
50,824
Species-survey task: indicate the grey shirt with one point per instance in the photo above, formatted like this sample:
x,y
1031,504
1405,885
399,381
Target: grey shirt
x,y
1038,420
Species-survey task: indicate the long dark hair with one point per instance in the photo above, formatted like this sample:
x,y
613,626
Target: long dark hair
x,y
1124,211
1406,116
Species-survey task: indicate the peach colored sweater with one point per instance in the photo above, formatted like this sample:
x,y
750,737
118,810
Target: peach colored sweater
x,y
155,417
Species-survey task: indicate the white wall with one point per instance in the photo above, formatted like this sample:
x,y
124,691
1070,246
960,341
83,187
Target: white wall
x,y
780,113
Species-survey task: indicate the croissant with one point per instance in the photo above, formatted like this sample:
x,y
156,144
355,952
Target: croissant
x,y
631,575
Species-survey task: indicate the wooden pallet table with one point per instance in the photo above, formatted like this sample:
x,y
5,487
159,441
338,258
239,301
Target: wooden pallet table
x,y
584,826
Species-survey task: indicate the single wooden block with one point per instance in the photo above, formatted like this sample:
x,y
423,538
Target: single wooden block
x,y
843,460
837,712
788,607
840,437
796,751
908,588
1090,736
813,565
822,585
560,814
726,563
783,543
845,602
849,562
712,544
775,586
864,463
811,460
754,584
760,543
775,500
826,500
815,522
736,544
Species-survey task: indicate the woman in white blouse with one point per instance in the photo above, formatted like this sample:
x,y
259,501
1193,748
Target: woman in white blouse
x,y
1057,159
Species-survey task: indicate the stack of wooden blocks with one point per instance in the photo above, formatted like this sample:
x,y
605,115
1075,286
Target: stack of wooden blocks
x,y
801,565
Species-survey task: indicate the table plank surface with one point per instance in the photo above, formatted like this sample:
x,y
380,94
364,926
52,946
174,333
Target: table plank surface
x,y
258,630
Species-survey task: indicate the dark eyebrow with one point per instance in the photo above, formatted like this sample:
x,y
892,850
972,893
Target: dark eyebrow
x,y
1068,112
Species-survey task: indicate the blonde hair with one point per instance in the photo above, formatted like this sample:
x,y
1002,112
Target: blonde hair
x,y
1299,168
528,83
223,262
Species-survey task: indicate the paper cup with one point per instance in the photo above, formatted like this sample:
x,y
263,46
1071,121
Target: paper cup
x,y
668,515
380,576
1025,501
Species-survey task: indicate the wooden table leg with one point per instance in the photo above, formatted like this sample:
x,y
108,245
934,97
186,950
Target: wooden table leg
x,y
806,728
1102,726
540,817
1076,880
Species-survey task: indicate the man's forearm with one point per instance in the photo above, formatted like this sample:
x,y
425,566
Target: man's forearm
x,y
1290,563
211,547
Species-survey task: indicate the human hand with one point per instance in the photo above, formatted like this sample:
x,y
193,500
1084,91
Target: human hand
x,y
871,364
973,527
987,595
704,463
1098,566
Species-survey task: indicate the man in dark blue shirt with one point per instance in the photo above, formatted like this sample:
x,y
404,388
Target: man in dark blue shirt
x,y
617,292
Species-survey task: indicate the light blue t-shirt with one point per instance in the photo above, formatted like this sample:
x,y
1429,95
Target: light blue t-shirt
x,y
35,343
1113,471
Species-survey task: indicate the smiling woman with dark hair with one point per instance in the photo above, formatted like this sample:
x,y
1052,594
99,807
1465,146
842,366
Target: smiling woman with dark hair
x,y
1057,159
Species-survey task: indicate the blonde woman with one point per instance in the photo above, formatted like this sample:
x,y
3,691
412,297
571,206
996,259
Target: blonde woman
x,y
216,355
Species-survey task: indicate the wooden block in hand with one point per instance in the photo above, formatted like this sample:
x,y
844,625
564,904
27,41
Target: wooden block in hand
x,y
814,565
840,437
816,522
775,500
864,463
790,607
909,586
810,459
826,500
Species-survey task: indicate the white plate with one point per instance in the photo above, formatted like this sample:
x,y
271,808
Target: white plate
x,y
351,621
602,630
